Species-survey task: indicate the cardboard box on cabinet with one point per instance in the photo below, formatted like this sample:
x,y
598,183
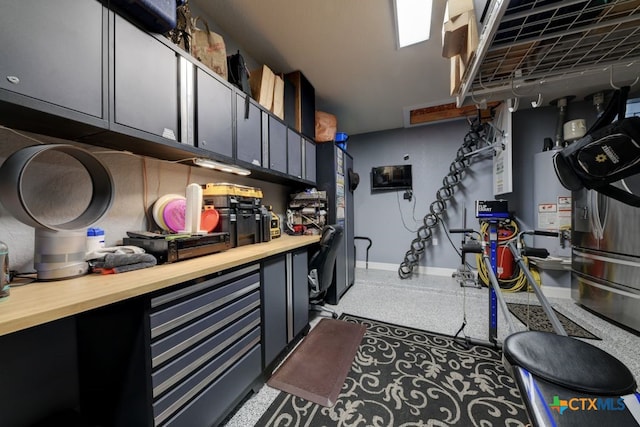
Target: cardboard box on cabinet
x,y
262,83
277,107
326,127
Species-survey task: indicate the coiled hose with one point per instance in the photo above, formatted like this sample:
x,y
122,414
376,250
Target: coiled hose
x,y
473,140
516,283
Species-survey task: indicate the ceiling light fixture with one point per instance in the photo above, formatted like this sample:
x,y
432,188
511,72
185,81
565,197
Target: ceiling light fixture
x,y
212,164
413,21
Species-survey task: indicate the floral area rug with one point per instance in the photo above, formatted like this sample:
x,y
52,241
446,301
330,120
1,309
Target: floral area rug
x,y
408,377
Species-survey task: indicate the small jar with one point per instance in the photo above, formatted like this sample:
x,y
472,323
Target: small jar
x,y
95,239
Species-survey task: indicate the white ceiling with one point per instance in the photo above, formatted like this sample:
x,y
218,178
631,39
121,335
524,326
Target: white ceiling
x,y
346,49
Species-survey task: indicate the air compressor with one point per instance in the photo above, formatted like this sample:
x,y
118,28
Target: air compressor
x,y
509,276
505,263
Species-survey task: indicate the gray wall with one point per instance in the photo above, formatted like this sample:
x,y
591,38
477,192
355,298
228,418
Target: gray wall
x,y
530,128
388,219
431,150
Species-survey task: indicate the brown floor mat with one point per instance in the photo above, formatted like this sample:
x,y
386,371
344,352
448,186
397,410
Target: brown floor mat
x,y
317,368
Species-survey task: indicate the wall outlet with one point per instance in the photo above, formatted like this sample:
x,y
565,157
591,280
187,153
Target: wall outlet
x,y
434,241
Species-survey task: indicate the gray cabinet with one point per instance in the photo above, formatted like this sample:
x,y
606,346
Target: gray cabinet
x,y
333,177
202,335
145,88
214,115
274,301
248,132
294,154
277,145
309,160
66,72
299,293
186,356
285,298
53,60
102,80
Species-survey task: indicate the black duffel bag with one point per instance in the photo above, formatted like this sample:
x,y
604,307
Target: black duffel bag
x,y
606,154
239,77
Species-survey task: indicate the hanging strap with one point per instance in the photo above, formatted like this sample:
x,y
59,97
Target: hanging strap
x,y
246,107
619,194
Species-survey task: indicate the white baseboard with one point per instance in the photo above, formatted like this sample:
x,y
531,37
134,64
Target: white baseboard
x,y
549,291
433,271
556,292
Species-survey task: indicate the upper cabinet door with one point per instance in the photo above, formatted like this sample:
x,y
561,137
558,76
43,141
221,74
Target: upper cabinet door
x,y
52,51
146,82
294,154
214,113
248,131
310,160
277,145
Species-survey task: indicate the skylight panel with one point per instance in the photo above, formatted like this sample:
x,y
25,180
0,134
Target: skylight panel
x,y
413,21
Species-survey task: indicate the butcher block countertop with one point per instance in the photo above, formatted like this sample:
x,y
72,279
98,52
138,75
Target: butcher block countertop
x,y
41,302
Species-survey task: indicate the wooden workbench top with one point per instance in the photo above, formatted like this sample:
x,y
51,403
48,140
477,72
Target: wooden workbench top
x,y
41,302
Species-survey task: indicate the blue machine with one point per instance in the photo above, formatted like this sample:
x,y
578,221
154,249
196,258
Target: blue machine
x,y
493,211
563,381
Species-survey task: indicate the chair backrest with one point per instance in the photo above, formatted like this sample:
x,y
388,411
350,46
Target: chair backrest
x,y
325,258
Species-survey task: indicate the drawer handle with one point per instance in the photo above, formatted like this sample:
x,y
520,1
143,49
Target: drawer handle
x,y
13,80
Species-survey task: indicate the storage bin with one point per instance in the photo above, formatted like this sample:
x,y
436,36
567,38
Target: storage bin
x,y
226,189
243,225
227,224
247,226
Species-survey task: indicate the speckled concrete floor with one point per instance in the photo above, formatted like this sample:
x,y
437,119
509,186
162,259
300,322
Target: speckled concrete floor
x,y
438,304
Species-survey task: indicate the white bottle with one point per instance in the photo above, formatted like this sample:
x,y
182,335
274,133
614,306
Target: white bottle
x,y
95,239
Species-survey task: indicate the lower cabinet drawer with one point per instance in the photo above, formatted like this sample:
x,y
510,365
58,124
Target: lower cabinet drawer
x,y
204,397
175,315
166,348
202,360
180,368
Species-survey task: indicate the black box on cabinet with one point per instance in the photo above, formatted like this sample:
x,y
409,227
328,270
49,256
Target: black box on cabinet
x,y
157,16
289,103
303,103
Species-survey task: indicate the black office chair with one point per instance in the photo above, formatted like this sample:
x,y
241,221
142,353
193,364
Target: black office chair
x,y
321,268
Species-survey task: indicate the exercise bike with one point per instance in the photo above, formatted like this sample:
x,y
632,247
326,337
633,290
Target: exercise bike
x,y
563,381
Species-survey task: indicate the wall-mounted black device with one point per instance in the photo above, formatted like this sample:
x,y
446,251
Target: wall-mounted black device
x,y
396,177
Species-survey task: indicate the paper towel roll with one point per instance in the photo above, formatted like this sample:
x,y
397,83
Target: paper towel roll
x,y
193,210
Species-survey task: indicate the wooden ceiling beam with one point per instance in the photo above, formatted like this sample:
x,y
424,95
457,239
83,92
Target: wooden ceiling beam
x,y
448,112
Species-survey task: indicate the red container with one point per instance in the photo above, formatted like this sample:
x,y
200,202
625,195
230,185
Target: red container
x,y
506,263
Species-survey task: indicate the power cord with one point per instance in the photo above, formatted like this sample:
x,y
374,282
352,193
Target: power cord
x,y
406,227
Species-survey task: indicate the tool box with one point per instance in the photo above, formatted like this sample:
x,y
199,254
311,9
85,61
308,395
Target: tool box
x,y
239,209
231,195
